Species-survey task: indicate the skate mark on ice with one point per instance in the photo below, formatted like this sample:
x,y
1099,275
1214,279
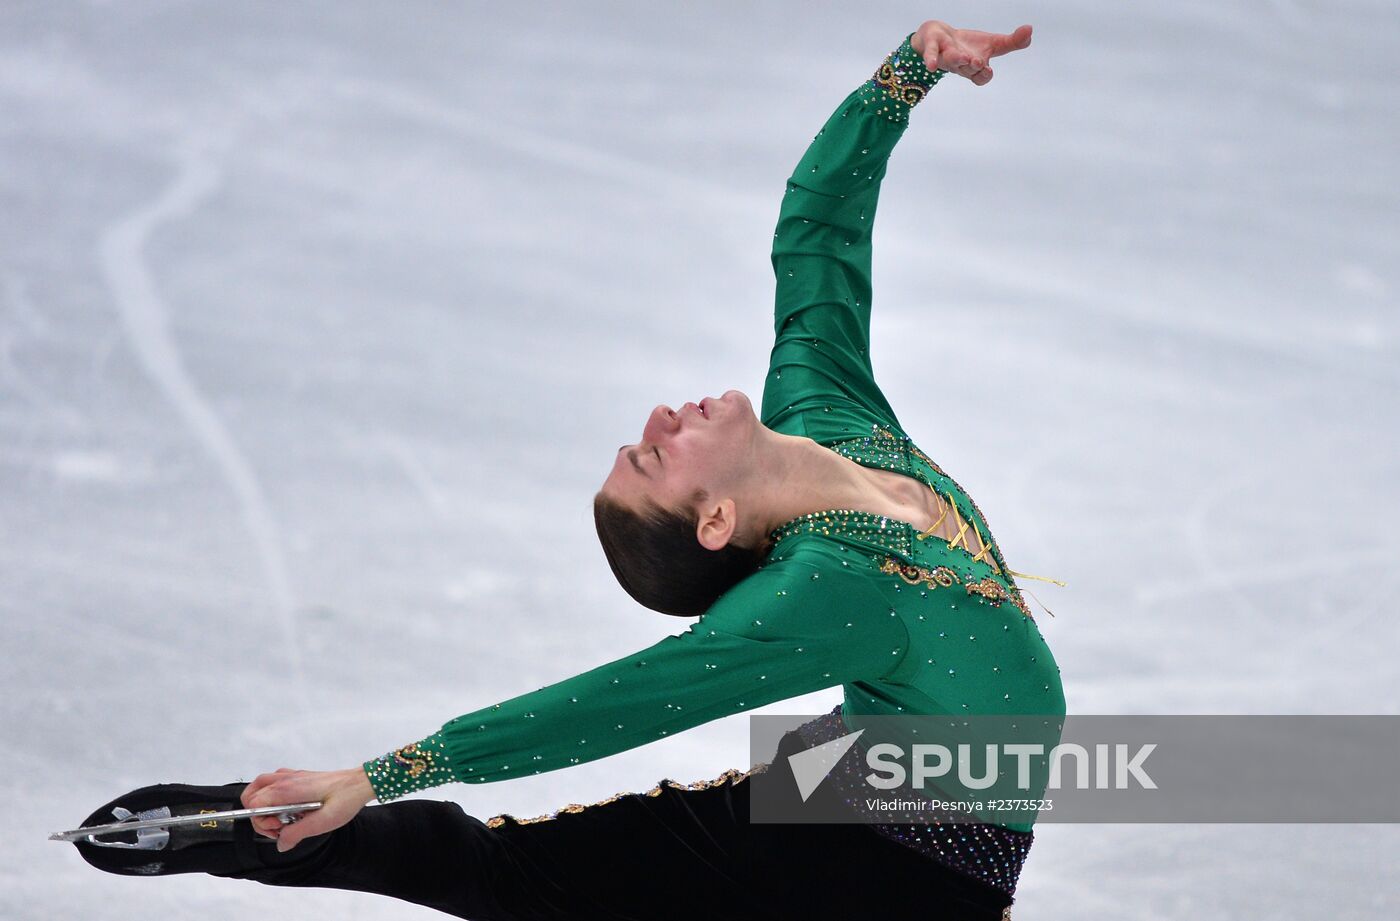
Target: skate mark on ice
x,y
417,474
11,375
1020,495
18,300
1351,613
1281,572
1202,525
547,148
102,352
144,319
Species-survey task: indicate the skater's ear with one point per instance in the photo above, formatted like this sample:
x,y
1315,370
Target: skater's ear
x,y
656,555
715,521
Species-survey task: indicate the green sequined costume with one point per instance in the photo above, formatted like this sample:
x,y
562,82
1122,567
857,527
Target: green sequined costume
x,y
903,622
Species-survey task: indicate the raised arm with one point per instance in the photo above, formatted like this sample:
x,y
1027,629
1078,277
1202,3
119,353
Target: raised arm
x,y
820,381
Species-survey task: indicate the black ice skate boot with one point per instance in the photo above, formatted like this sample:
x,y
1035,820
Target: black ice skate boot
x,y
219,846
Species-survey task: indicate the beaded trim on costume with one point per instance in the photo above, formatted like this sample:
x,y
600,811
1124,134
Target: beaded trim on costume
x,y
990,853
731,776
986,587
900,82
885,450
413,767
889,533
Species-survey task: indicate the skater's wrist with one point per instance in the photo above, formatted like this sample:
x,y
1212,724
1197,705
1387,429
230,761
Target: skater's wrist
x,y
406,770
358,780
900,82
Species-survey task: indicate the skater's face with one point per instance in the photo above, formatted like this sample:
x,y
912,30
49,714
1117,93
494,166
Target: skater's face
x,y
699,446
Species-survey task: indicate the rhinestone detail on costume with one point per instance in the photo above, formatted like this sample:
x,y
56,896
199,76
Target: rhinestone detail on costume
x,y
888,451
984,851
900,82
413,767
877,529
942,576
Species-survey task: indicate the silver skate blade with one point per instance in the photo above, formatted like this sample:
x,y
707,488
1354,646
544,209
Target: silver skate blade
x,y
283,812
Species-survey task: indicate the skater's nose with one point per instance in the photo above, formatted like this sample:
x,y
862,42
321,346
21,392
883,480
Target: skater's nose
x,y
661,425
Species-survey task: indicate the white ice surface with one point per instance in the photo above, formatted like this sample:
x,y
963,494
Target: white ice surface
x,y
319,326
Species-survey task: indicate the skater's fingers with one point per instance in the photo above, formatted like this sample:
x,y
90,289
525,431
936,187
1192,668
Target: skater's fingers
x,y
974,67
260,784
968,70
267,826
933,51
310,826
336,812
952,56
250,792
341,794
1005,44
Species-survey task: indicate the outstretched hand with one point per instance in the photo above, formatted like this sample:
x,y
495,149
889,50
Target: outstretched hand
x,y
342,795
965,52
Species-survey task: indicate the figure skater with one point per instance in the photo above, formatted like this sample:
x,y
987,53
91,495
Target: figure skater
x,y
817,545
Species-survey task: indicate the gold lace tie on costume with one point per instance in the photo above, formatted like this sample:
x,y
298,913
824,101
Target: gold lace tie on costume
x,y
961,537
1033,595
1026,575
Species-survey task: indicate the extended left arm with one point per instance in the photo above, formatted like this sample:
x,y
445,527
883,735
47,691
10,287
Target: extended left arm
x,y
796,625
793,627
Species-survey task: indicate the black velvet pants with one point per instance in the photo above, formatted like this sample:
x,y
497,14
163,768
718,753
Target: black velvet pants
x,y
679,854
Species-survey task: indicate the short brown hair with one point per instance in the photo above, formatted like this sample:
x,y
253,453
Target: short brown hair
x,y
659,561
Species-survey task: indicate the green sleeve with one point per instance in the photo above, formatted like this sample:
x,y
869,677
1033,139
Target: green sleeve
x,y
797,625
820,362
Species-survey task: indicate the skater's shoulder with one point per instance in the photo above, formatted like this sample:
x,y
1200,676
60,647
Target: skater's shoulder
x,y
814,559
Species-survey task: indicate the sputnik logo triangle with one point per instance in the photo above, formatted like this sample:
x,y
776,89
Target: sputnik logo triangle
x,y
810,768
